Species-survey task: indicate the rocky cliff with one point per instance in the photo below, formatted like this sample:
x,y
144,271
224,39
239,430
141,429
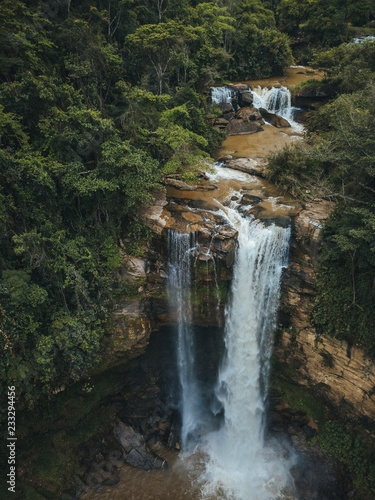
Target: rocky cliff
x,y
339,373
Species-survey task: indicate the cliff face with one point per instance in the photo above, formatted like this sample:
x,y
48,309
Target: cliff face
x,y
341,374
146,308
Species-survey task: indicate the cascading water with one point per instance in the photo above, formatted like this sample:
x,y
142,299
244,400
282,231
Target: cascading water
x,y
239,462
221,94
180,247
276,100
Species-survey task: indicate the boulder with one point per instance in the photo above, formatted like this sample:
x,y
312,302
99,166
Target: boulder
x,y
274,119
248,165
249,114
225,107
244,122
245,98
243,128
135,449
179,184
281,221
239,86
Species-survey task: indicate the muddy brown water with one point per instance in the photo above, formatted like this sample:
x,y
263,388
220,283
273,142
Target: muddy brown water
x,y
179,481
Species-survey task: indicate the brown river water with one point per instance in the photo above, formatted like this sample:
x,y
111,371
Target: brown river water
x,y
179,481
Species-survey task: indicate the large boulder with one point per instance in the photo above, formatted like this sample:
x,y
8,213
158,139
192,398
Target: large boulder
x,y
225,107
274,119
245,98
249,114
240,127
246,121
250,166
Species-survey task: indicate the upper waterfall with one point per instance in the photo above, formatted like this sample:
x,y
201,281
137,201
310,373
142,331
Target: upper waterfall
x,y
276,100
221,94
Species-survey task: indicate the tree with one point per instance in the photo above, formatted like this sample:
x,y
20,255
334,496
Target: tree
x,y
159,44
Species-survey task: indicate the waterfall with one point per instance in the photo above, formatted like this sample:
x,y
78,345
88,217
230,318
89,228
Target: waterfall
x,y
241,464
180,247
221,94
276,100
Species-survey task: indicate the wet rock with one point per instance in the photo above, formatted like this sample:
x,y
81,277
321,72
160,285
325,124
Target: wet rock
x,y
249,199
135,449
245,98
274,119
207,187
239,87
278,221
205,205
241,127
225,107
248,165
249,114
246,121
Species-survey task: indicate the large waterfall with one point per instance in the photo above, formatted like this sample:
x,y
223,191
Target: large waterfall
x,y
241,465
239,461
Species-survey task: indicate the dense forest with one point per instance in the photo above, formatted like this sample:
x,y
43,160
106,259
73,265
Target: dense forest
x,y
100,99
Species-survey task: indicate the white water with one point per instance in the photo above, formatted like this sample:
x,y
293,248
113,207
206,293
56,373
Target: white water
x,y
276,100
240,464
180,247
363,39
221,94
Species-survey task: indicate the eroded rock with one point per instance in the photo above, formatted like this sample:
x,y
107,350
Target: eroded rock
x,y
135,449
274,119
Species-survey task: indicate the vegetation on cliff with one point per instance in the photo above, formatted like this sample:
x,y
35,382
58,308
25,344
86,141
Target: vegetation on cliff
x,y
338,162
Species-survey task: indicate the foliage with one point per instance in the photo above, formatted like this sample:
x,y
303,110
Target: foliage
x,y
319,24
338,161
352,450
350,66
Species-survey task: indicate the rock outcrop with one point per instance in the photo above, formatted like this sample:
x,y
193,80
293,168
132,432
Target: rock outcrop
x,y
250,166
274,119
